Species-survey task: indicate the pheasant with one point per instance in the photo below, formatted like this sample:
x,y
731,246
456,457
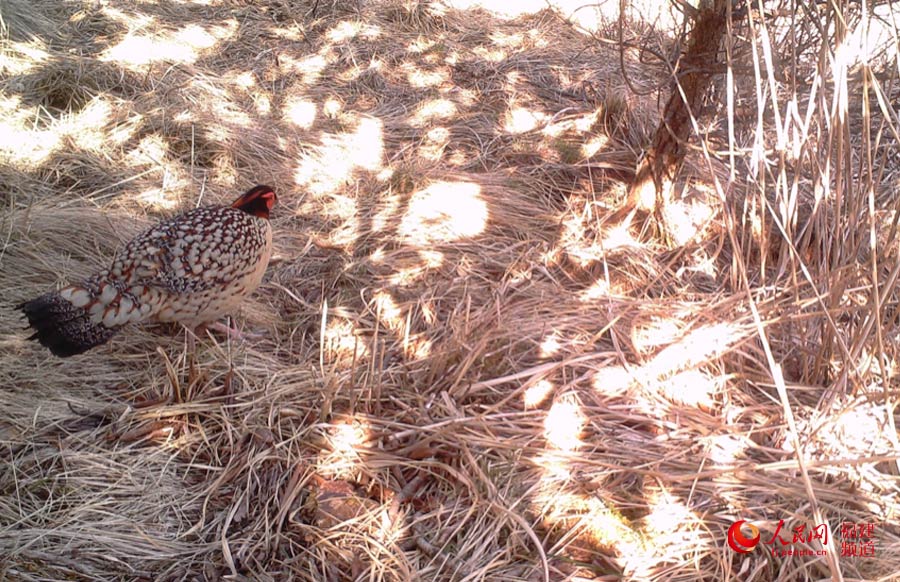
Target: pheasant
x,y
191,269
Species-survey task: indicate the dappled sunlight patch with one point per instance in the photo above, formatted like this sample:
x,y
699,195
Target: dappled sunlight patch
x,y
341,458
166,196
558,345
695,349
586,15
218,133
385,174
184,46
246,80
152,150
22,57
407,276
649,335
431,259
421,78
556,468
619,237
552,257
339,206
606,528
23,147
132,19
224,171
262,104
699,262
850,431
671,376
87,128
417,348
521,120
598,290
513,40
389,312
420,45
229,112
580,125
158,199
458,159
491,55
436,141
90,129
343,344
564,424
300,112
348,30
667,514
408,272
858,429
653,394
309,67
685,220
294,32
342,211
690,388
582,252
593,146
444,212
645,398
612,381
550,345
585,240
589,516
352,73
332,107
670,533
332,164
386,212
537,393
433,109
725,450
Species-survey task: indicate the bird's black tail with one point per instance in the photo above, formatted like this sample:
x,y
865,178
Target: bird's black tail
x,y
61,327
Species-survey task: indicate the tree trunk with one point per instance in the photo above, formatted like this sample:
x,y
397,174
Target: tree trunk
x,y
655,176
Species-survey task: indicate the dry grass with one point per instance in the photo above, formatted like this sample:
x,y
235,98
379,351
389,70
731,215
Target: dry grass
x,y
466,373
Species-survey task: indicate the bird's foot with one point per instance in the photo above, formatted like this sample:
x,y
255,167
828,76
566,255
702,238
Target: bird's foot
x,y
234,332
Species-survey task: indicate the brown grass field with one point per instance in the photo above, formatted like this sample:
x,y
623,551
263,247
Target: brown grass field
x,y
467,371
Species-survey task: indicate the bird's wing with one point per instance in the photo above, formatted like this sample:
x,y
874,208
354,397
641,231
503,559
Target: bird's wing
x,y
180,256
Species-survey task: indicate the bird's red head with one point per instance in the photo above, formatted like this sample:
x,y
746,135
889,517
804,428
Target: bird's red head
x,y
258,201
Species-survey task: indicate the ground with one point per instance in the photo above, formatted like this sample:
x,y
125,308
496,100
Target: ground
x,y
466,371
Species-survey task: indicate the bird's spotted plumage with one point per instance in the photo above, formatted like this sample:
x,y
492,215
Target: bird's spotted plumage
x,y
192,269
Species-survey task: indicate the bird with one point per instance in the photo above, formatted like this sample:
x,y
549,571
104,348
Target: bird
x,y
191,269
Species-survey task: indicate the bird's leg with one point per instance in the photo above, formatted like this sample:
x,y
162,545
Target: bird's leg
x,y
191,340
234,332
191,354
